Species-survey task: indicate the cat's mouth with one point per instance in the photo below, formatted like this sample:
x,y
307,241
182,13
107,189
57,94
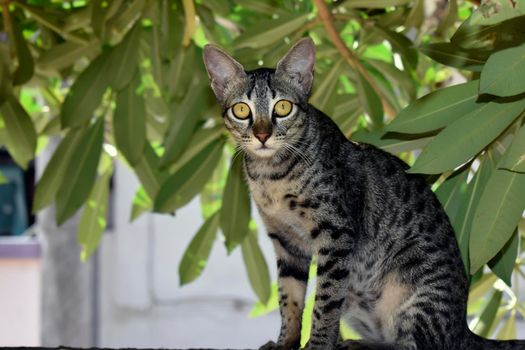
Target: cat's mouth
x,y
264,151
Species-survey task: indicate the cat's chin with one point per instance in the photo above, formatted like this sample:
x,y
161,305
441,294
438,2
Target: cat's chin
x,y
263,152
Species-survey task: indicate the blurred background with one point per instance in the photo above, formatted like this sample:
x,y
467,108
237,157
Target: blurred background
x,y
124,218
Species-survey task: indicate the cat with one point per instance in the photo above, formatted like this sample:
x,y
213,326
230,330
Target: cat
x,y
388,261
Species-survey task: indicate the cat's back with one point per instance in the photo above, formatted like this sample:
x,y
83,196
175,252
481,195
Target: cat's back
x,y
397,210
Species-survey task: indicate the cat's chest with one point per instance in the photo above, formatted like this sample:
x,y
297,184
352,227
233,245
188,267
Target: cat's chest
x,y
272,196
278,200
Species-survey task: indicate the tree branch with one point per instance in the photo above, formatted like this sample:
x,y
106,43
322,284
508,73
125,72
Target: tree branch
x,y
189,30
328,21
5,15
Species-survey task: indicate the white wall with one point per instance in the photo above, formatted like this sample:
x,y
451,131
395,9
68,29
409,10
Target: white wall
x,y
20,302
141,303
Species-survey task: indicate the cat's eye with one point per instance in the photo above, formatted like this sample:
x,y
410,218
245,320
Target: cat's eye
x,y
241,110
282,108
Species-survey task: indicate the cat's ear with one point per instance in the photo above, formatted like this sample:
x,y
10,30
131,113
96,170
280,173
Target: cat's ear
x,y
224,72
298,65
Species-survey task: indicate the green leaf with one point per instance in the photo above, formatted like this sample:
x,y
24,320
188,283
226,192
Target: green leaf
x,y
53,21
141,204
390,142
196,255
268,31
403,78
346,114
256,265
437,109
76,20
454,56
93,220
129,13
508,330
20,136
211,193
465,137
260,309
499,210
148,171
129,122
85,94
450,18
504,73
491,38
123,59
370,101
515,156
503,263
482,287
347,332
182,71
98,17
235,210
262,7
400,44
491,12
180,187
200,139
81,172
64,55
379,4
486,319
327,89
462,223
172,28
417,14
185,118
55,171
306,321
452,192
25,68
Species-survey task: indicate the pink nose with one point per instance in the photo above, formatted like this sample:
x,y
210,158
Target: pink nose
x,y
263,136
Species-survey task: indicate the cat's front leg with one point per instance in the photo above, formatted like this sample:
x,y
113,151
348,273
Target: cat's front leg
x,y
292,264
331,286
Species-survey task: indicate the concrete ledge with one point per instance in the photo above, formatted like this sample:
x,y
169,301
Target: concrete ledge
x,y
19,247
68,348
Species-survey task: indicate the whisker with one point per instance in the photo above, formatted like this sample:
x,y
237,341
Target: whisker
x,y
299,153
239,149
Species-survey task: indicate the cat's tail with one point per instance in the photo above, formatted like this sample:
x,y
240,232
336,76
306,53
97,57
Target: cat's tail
x,y
475,342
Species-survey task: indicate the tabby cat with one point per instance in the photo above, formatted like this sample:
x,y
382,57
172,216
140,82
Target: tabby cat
x,y
388,261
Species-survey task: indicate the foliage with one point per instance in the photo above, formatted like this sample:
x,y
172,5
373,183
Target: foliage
x,y
123,80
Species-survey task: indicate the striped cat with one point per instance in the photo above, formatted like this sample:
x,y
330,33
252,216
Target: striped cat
x,y
388,262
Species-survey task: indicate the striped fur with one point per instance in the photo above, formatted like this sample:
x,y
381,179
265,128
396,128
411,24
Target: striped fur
x,y
388,261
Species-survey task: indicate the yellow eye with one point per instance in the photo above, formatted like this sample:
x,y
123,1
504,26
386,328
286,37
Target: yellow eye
x,y
241,110
282,108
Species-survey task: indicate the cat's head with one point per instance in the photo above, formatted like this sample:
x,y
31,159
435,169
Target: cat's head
x,y
264,109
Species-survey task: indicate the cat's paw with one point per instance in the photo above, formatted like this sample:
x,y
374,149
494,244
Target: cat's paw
x,y
271,345
309,346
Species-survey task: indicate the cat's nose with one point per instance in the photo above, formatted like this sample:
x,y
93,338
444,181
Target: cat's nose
x,y
262,136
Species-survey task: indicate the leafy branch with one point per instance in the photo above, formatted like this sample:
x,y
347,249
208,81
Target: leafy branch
x,y
328,21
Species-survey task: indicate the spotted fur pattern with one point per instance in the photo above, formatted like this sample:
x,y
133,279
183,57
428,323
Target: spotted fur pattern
x,y
388,261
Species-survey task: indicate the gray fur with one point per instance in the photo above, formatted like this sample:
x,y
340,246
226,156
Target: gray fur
x,y
388,261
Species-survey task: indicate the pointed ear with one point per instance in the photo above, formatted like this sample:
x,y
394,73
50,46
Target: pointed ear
x,y
298,65
224,72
